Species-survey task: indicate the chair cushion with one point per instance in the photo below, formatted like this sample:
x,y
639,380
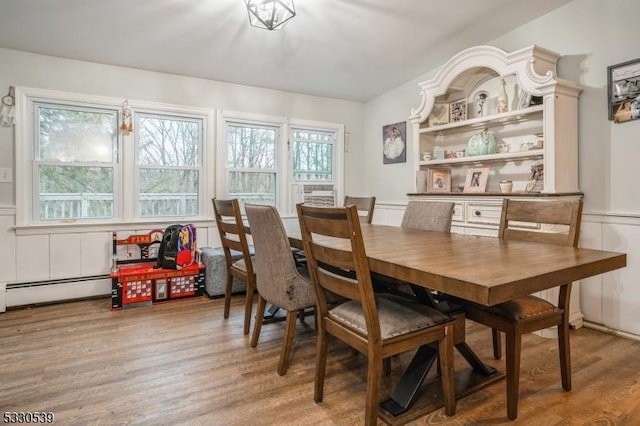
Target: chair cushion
x,y
521,308
397,315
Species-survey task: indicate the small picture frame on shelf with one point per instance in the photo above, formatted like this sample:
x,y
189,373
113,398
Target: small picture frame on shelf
x,y
439,115
476,179
623,89
439,180
458,110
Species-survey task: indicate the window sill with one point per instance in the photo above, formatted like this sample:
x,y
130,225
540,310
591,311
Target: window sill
x,y
131,225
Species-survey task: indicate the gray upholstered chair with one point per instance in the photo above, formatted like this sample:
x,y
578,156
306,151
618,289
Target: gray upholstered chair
x,y
428,215
363,204
378,326
279,281
233,238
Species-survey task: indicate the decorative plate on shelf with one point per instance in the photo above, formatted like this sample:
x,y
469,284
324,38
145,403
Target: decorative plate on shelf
x,y
439,115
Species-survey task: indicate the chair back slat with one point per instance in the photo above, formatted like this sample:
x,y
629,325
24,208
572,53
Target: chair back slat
x,y
556,221
232,244
337,258
344,286
230,227
363,204
225,208
327,224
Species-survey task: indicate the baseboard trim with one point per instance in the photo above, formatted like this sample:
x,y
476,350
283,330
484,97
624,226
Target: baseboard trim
x,y
35,293
608,330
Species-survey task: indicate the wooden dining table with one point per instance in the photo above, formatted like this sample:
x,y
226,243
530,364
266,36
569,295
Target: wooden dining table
x,y
480,269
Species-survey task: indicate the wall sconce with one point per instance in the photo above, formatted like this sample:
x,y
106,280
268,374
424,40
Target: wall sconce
x,y
270,14
7,108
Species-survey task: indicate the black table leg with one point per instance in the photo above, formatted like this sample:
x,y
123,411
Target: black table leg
x,y
473,360
406,390
271,311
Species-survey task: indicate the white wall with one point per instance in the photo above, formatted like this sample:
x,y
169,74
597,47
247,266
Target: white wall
x,y
591,35
42,255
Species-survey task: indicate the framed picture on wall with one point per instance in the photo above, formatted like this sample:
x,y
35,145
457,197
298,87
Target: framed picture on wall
x,y
394,148
623,91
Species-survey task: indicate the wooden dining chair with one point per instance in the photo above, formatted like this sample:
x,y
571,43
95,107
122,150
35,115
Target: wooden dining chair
x,y
279,281
376,325
559,223
233,238
363,204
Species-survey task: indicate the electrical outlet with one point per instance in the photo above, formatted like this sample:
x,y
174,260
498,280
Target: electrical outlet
x,y
6,175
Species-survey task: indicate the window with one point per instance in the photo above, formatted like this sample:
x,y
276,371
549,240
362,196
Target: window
x,y
312,155
273,160
75,166
168,163
251,163
82,168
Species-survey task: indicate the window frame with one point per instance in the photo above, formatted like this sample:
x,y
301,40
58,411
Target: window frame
x,y
276,171
125,195
199,166
314,128
284,160
114,165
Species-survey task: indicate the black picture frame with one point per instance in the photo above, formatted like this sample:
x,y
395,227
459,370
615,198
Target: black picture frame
x,y
623,91
394,143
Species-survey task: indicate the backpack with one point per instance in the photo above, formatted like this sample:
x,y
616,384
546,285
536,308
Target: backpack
x,y
177,248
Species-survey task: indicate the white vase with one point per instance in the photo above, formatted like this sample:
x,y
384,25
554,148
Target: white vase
x,y
503,101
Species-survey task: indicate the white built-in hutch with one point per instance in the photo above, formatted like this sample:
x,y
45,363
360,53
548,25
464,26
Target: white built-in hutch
x,y
536,128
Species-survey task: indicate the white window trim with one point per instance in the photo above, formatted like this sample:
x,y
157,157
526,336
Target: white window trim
x,y
225,117
284,164
25,98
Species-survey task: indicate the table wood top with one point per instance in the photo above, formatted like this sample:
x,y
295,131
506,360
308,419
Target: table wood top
x,y
484,270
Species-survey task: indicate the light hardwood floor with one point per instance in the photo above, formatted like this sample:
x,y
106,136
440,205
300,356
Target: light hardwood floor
x,y
182,363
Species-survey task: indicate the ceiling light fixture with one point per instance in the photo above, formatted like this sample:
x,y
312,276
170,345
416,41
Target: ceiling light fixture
x,y
270,14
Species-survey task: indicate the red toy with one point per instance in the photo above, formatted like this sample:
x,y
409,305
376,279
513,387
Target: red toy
x,y
136,282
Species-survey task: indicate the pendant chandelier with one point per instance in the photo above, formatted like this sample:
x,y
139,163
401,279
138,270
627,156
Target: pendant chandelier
x,y
270,14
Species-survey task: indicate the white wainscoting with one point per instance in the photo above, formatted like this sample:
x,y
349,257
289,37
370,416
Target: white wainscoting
x,y
8,246
612,300
41,266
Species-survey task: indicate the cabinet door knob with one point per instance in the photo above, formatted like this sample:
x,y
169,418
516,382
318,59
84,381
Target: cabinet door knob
x,y
477,213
